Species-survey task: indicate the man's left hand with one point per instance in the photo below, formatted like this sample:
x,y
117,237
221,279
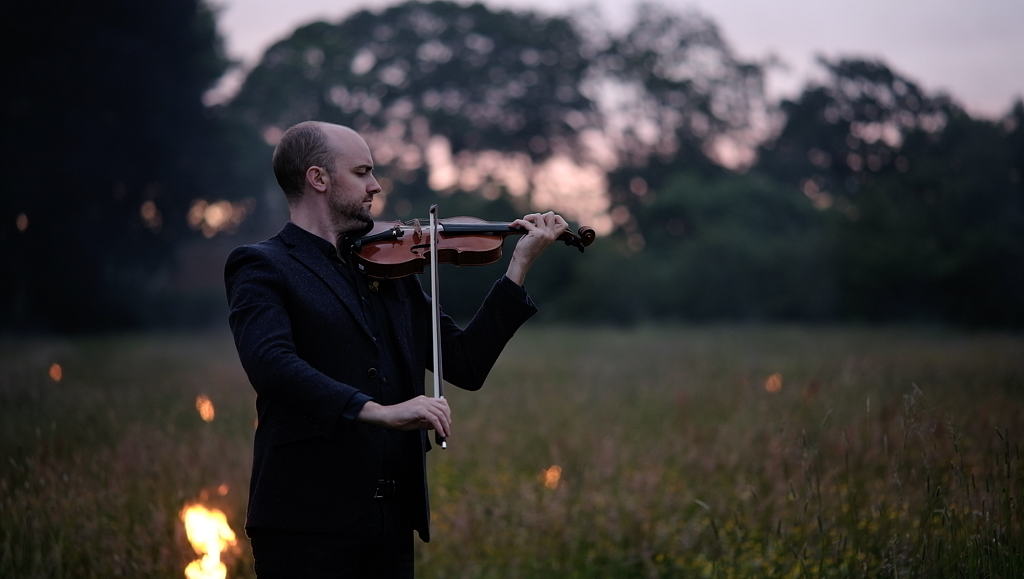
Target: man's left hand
x,y
542,230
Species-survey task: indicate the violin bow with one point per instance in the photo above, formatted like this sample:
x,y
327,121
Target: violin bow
x,y
436,311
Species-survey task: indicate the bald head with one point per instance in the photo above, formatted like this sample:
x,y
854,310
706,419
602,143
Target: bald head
x,y
309,144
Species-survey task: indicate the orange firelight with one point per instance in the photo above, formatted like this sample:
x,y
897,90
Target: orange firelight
x,y
56,372
209,533
551,476
205,407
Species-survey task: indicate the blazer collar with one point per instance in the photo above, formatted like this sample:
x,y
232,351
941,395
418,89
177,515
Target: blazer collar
x,y
308,254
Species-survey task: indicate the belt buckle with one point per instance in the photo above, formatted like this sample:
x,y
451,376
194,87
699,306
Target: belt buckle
x,y
385,488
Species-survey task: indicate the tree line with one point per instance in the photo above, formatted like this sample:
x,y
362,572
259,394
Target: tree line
x,y
865,198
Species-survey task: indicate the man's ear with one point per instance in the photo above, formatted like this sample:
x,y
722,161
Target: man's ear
x,y
317,178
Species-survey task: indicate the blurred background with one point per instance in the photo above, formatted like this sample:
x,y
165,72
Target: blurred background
x,y
809,267
731,175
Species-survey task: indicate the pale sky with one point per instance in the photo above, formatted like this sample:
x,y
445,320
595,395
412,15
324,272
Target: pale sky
x,y
972,50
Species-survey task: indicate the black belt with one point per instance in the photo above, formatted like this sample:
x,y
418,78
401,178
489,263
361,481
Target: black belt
x,y
386,489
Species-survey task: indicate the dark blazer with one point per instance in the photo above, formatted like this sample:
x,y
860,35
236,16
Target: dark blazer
x,y
307,350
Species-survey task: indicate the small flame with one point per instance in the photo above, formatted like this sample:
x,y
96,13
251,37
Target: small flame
x,y
773,383
205,407
551,476
209,533
56,372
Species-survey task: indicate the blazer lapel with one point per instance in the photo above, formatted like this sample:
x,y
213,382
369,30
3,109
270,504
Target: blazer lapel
x,y
303,250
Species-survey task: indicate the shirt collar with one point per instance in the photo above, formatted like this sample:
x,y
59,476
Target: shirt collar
x,y
326,247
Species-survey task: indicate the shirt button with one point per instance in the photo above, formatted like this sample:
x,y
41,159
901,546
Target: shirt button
x,y
372,372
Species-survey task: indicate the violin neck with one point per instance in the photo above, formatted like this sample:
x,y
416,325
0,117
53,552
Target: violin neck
x,y
480,229
502,229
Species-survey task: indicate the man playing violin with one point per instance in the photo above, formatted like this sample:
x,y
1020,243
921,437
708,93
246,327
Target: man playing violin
x,y
337,362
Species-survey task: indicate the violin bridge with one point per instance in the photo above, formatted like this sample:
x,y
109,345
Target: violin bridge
x,y
417,230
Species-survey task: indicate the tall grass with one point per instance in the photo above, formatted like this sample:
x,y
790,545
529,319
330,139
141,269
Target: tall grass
x,y
883,453
97,467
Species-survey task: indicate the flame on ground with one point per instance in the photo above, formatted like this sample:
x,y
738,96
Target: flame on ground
x,y
205,407
551,476
209,533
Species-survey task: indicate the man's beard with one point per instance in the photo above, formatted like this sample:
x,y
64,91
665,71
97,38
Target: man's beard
x,y
348,214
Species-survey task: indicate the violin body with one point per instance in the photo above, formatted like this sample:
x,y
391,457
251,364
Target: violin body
x,y
394,249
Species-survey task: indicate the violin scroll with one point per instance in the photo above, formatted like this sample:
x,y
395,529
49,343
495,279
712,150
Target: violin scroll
x,y
583,237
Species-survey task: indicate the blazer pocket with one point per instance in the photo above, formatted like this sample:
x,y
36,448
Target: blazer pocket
x,y
293,430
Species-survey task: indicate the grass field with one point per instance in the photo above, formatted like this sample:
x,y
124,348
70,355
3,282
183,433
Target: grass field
x,y
671,452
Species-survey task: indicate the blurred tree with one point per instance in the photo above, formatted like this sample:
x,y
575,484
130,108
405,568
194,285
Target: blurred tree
x,y
727,247
425,82
931,219
479,78
848,127
674,97
1013,125
942,236
106,144
454,97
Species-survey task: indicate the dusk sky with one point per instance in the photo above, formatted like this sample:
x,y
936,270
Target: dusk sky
x,y
972,50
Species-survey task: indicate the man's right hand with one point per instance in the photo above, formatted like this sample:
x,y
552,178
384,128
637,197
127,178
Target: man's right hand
x,y
420,413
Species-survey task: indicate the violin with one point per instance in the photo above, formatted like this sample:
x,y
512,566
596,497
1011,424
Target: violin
x,y
394,249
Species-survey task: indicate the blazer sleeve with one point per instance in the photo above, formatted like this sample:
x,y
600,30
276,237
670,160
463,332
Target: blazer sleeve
x,y
258,298
469,354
